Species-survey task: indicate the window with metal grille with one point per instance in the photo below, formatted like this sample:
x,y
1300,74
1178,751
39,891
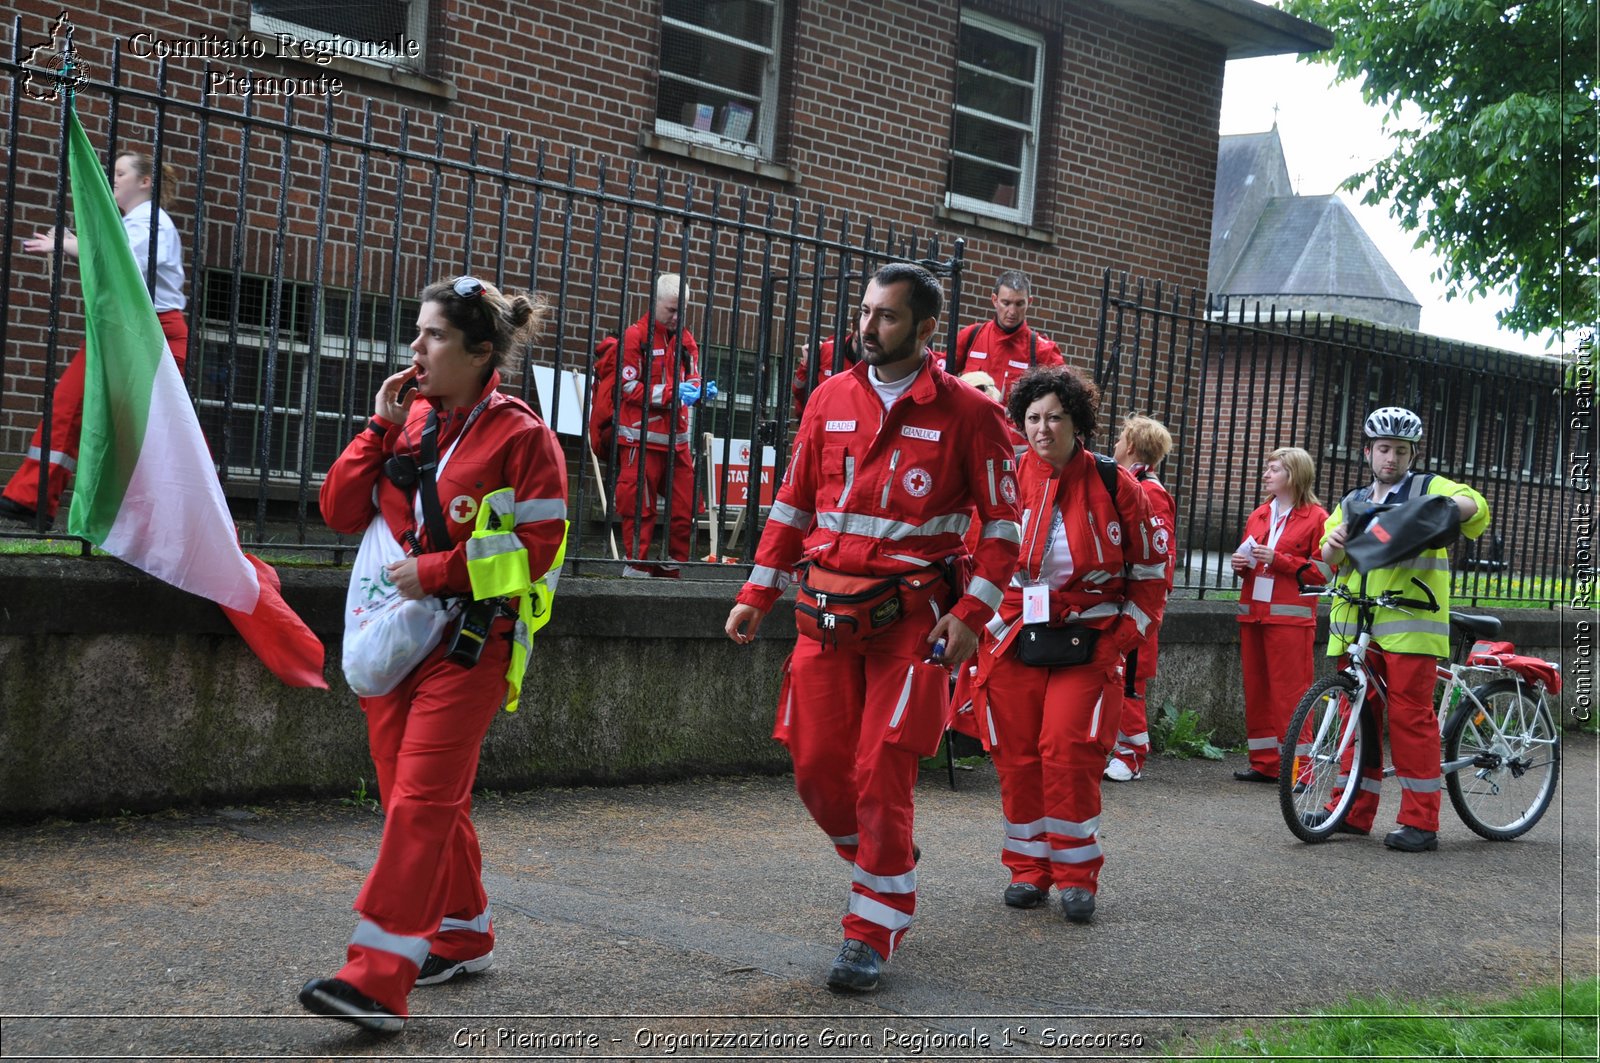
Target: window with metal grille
x,y
719,74
392,33
322,382
995,132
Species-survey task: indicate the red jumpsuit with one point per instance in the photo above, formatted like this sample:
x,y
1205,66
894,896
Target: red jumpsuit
x,y
877,493
1133,731
852,355
648,435
425,892
1049,729
1005,356
1277,627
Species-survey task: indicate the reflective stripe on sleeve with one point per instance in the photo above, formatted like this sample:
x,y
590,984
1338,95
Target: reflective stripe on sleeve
x,y
1156,571
986,592
1141,619
1008,530
762,576
784,513
536,509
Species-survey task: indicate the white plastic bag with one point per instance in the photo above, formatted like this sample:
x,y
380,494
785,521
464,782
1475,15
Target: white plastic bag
x,y
385,635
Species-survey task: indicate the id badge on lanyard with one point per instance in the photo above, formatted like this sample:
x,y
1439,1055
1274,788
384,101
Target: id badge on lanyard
x,y
1035,603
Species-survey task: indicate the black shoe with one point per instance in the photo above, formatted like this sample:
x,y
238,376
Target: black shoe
x,y
1251,775
436,970
1025,895
330,996
1410,839
18,514
1317,819
857,968
1077,904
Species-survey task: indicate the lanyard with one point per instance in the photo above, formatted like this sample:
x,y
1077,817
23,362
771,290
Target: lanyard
x,y
432,475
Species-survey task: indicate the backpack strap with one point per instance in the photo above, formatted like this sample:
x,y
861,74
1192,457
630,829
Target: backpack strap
x,y
1033,348
964,342
1107,468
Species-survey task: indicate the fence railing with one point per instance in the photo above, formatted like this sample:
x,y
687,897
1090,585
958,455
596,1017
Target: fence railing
x,y
312,223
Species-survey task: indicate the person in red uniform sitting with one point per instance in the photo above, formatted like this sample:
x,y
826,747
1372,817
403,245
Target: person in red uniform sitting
x,y
888,464
1088,587
1277,624
424,913
1143,444
660,370
133,187
1007,346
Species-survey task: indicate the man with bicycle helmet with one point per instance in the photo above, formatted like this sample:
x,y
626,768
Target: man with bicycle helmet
x,y
1410,640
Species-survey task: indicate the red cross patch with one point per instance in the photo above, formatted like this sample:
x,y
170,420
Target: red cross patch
x,y
1114,533
1008,489
463,508
917,481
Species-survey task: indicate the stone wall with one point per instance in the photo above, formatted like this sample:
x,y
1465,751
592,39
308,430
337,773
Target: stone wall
x,y
118,692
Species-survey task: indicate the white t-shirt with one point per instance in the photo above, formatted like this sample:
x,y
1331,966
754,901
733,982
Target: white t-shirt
x,y
889,393
169,255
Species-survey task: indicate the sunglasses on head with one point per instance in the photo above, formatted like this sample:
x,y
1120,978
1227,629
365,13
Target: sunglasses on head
x,y
468,288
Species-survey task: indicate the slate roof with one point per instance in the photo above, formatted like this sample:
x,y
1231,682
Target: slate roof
x,y
1267,242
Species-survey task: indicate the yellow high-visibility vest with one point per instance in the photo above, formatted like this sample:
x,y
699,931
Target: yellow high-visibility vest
x,y
497,564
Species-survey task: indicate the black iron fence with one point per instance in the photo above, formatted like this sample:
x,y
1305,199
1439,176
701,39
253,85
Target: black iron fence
x,y
310,224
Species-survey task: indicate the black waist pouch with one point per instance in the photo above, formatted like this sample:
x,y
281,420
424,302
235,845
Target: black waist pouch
x,y
1043,646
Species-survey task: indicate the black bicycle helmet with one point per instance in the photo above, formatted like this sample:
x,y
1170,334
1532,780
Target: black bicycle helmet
x,y
1393,422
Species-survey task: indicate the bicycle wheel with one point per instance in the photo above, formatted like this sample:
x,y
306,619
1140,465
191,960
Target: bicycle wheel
x,y
1515,751
1312,788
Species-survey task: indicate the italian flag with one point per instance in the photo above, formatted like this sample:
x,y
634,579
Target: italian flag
x,y
146,491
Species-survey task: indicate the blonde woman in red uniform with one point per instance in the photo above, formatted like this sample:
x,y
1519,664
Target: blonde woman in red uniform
x,y
1090,583
1277,624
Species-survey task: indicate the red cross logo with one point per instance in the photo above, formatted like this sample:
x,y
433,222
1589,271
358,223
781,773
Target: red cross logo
x,y
917,482
463,508
744,453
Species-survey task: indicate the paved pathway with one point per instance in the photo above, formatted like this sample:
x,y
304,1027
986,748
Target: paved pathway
x,y
632,916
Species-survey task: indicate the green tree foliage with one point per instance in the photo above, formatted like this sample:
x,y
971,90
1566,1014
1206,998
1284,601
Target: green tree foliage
x,y
1499,174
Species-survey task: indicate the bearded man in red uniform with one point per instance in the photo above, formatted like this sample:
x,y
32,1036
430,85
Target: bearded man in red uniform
x,y
1007,346
892,460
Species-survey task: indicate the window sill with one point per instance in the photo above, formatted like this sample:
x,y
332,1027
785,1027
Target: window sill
x,y
356,68
1010,228
726,159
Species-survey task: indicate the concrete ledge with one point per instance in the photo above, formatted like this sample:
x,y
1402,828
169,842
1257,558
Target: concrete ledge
x,y
118,692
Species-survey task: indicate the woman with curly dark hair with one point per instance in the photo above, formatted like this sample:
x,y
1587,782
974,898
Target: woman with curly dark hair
x,y
1049,682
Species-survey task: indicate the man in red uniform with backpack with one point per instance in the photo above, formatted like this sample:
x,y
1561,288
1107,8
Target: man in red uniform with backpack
x,y
890,461
1007,346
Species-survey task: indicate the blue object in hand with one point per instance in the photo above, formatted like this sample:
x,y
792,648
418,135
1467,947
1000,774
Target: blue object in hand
x,y
711,391
688,393
937,654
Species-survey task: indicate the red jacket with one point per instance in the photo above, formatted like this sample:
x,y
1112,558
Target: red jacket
x,y
1302,531
877,492
1163,518
1119,577
1005,357
824,359
507,445
649,391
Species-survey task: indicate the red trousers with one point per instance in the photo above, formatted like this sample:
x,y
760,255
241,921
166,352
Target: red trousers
x,y
1133,727
1051,729
1413,742
681,504
857,721
66,425
1278,664
425,892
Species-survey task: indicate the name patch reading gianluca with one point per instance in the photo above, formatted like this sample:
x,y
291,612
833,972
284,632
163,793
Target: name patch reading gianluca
x,y
930,434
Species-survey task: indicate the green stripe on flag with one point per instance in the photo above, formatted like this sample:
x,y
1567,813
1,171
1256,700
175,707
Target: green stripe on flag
x,y
124,346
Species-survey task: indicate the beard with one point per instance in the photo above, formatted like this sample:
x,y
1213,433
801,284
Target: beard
x,y
875,355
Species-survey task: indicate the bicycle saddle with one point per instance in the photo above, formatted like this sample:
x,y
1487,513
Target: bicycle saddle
x,y
1392,534
1479,627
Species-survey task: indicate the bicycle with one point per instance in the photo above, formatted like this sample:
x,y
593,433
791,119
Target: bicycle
x,y
1501,752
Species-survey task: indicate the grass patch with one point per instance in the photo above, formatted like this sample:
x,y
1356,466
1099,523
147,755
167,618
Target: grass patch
x,y
1554,1022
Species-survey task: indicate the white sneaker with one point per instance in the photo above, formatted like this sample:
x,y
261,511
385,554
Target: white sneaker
x,y
1117,770
629,572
